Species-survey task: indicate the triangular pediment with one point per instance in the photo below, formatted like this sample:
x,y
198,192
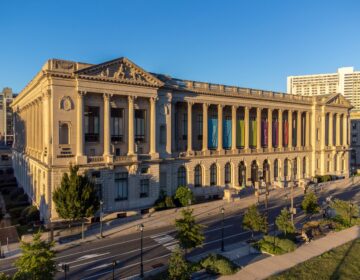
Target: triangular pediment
x,y
337,99
120,70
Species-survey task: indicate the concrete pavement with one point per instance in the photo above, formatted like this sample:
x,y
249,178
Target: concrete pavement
x,y
273,265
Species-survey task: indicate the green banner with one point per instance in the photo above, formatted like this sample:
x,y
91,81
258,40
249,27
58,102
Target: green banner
x,y
240,136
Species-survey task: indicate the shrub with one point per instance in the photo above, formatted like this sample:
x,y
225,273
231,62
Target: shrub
x,y
275,245
169,202
310,204
346,212
184,195
217,264
30,214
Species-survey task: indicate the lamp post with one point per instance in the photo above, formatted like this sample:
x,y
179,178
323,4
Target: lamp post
x,y
65,267
141,228
222,229
101,220
114,263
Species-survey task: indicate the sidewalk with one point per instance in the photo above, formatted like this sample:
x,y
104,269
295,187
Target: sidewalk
x,y
273,265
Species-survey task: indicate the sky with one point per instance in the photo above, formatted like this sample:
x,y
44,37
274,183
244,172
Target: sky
x,y
255,43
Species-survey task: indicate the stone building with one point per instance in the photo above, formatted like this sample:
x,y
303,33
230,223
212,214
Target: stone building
x,y
137,133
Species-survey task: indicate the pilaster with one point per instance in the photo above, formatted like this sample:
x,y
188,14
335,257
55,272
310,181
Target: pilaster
x,y
131,136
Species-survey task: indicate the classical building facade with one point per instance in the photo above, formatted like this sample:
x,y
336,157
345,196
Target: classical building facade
x,y
137,133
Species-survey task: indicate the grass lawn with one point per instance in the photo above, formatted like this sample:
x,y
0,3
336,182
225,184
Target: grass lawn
x,y
340,263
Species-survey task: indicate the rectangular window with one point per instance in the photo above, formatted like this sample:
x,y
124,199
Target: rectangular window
x,y
117,152
162,134
200,126
184,126
92,124
121,185
144,188
64,134
140,116
117,124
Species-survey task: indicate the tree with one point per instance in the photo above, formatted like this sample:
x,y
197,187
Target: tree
x,y
189,233
3,276
37,260
253,220
178,267
345,211
310,204
283,222
184,195
77,197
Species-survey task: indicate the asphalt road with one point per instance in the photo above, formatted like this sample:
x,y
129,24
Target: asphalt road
x,y
93,260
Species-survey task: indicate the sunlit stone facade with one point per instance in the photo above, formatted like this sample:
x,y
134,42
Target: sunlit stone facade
x,y
137,133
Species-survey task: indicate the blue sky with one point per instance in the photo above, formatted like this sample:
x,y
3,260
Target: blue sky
x,y
254,43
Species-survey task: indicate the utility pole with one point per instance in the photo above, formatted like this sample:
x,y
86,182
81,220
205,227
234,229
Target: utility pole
x,y
141,228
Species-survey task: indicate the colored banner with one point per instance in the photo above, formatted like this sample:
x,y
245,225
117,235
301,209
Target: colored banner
x,y
286,133
240,136
275,133
264,133
227,134
212,133
253,133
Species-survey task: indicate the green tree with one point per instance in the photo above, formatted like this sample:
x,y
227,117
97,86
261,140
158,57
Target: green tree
x,y
253,220
184,195
283,222
37,260
345,211
3,276
189,233
178,268
76,198
310,204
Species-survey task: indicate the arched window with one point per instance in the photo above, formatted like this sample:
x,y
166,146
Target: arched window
x,y
63,134
335,163
198,176
254,172
286,167
213,175
266,171
228,173
276,169
242,174
304,167
181,176
295,167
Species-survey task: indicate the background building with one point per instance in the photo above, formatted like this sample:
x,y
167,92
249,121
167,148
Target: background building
x,y
347,82
6,117
137,133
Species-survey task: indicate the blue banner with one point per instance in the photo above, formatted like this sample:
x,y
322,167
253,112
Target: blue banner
x,y
227,134
212,133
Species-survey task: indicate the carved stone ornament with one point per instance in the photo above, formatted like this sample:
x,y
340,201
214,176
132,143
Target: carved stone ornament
x,y
66,103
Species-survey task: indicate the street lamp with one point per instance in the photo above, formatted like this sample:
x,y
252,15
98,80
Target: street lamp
x,y
65,267
141,228
222,229
101,220
114,263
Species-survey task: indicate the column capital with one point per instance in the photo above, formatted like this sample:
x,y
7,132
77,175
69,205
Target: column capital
x,y
153,99
131,98
234,107
220,106
46,93
81,93
190,103
206,105
107,96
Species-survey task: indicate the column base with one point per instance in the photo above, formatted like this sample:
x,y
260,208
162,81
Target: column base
x,y
154,155
81,159
108,158
205,152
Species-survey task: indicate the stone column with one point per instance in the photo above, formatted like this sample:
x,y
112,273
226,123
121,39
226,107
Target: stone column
x,y
330,132
258,128
280,128
298,129
46,118
189,127
233,127
338,129
246,124
153,151
220,128
270,132
307,129
205,128
131,135
80,158
346,130
290,124
107,133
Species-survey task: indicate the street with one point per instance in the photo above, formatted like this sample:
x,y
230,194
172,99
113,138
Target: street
x,y
93,260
